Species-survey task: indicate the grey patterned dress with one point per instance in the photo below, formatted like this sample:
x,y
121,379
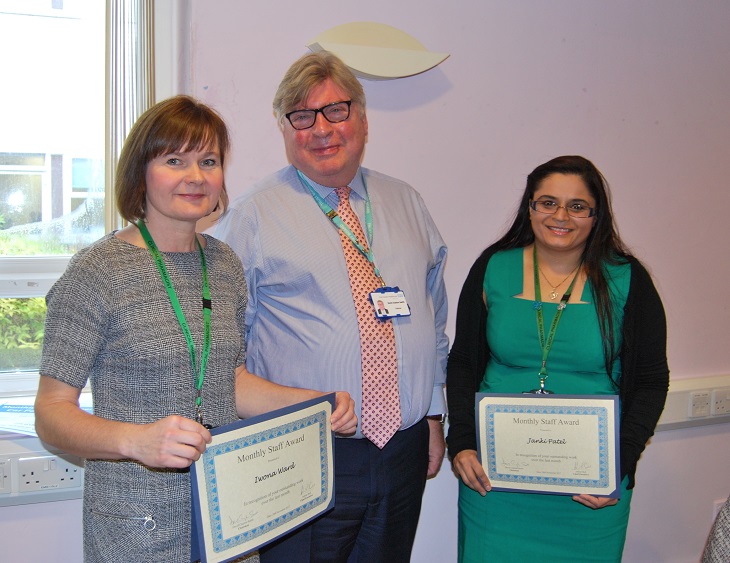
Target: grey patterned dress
x,y
110,322
717,549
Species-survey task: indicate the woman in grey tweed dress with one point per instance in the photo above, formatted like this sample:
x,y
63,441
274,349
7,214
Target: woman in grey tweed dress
x,y
110,322
717,549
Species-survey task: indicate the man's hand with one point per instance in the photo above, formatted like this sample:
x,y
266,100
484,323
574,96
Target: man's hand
x,y
436,447
344,419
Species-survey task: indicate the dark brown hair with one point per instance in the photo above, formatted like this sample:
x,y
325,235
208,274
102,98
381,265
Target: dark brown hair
x,y
178,124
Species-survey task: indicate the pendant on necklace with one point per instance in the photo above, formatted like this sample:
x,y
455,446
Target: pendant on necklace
x,y
553,295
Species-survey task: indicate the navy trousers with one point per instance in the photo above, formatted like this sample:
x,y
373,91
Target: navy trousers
x,y
377,504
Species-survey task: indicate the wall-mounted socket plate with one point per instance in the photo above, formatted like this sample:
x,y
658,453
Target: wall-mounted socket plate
x,y
47,472
720,401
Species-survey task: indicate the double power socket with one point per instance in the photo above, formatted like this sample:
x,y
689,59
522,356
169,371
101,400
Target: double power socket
x,y
715,402
37,473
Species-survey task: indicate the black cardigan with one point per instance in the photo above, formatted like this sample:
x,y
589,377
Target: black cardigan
x,y
644,379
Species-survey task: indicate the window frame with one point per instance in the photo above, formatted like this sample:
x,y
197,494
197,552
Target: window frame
x,y
129,92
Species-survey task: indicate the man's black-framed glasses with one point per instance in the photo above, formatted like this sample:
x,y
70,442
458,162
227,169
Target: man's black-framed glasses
x,y
335,112
550,207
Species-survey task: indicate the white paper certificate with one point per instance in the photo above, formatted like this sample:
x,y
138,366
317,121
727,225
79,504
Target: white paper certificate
x,y
561,444
261,478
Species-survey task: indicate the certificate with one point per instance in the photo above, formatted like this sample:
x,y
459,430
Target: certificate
x,y
262,477
559,444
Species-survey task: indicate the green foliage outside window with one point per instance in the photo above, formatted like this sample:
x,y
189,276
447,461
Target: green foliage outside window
x,y
21,332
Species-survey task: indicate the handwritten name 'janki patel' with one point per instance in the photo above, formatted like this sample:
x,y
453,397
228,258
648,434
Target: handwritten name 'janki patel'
x,y
551,441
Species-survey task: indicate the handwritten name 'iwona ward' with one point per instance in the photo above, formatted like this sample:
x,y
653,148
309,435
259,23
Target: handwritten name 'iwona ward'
x,y
283,469
262,452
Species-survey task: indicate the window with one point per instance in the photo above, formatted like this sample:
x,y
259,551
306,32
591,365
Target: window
x,y
63,122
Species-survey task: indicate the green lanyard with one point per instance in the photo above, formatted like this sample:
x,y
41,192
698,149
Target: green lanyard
x,y
200,377
340,224
547,344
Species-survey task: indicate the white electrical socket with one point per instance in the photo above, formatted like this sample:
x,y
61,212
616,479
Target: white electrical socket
x,y
47,472
720,401
699,404
4,476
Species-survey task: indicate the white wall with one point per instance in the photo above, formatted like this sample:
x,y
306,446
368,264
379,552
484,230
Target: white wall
x,y
641,88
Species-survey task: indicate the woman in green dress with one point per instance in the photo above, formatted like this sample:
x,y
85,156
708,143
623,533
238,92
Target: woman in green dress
x,y
610,338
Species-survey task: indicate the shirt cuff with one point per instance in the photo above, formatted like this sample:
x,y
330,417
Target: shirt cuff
x,y
438,402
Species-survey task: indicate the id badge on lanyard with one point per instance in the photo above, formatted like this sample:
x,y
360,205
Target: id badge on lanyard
x,y
389,302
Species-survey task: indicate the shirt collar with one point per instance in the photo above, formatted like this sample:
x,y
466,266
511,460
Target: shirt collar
x,y
356,185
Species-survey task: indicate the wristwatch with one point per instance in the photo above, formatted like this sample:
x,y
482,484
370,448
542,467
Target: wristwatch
x,y
440,417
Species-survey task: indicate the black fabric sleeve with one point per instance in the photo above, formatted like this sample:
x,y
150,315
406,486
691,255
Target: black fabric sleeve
x,y
467,359
645,373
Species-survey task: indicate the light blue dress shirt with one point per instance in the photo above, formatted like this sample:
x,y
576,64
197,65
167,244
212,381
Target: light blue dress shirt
x,y
301,323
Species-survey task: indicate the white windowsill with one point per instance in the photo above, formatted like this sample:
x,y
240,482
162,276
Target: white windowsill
x,y
18,384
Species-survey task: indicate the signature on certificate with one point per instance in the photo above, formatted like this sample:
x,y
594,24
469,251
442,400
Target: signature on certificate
x,y
582,465
242,519
513,464
307,489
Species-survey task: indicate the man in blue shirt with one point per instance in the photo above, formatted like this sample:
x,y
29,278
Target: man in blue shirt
x,y
302,324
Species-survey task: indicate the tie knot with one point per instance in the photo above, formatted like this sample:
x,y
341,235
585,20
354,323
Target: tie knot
x,y
343,193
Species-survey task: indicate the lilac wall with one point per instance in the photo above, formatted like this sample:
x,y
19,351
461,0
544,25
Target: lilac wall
x,y
641,88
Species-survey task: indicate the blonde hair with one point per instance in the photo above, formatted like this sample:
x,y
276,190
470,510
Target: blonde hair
x,y
307,73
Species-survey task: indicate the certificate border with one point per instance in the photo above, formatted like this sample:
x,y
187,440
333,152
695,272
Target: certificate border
x,y
540,405
220,543
206,466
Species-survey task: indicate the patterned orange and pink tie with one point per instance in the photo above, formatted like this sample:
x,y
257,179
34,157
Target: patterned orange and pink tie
x,y
380,417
